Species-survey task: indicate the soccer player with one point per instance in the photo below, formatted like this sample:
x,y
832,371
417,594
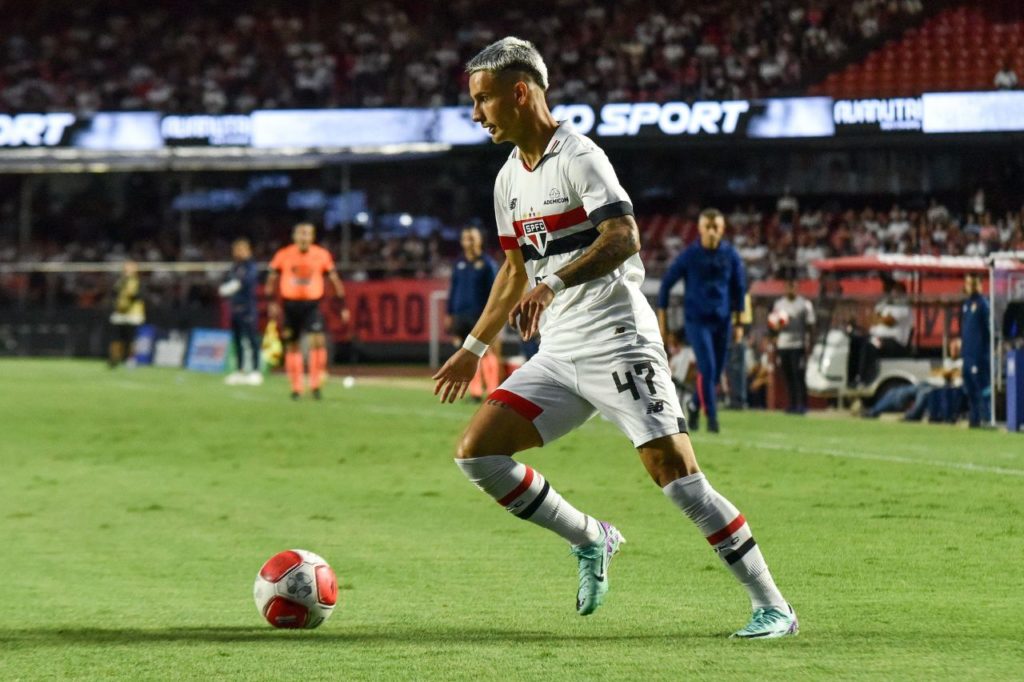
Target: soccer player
x,y
240,289
716,287
300,268
974,332
567,229
129,313
793,343
472,277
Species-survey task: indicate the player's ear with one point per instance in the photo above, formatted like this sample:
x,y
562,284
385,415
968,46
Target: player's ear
x,y
521,91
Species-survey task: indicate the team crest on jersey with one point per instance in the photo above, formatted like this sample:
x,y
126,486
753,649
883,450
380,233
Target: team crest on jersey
x,y
537,232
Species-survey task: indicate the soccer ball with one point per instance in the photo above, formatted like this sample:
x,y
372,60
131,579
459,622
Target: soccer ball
x,y
777,319
295,589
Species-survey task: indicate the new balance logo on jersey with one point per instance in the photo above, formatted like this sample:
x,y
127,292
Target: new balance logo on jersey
x,y
537,232
555,197
655,406
512,204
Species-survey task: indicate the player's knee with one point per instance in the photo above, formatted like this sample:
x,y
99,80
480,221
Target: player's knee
x,y
669,458
480,441
469,446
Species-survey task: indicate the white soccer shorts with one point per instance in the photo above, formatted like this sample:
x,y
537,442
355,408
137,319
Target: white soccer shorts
x,y
630,387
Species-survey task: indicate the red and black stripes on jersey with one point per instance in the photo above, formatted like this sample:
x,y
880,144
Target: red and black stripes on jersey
x,y
542,236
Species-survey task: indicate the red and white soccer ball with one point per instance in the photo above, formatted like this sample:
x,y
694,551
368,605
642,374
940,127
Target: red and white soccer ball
x,y
777,319
296,589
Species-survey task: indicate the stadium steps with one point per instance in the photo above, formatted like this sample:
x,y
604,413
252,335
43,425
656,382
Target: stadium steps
x,y
960,49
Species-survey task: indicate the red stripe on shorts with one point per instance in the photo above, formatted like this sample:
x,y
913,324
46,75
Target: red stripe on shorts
x,y
520,405
733,526
519,489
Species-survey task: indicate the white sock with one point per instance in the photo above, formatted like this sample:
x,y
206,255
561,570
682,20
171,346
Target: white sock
x,y
727,531
524,492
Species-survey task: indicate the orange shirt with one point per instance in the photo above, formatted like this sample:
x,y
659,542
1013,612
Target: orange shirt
x,y
302,274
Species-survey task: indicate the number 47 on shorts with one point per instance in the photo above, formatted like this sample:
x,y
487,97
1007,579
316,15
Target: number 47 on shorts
x,y
644,371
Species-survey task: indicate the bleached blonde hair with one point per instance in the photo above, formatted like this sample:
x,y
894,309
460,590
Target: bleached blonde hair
x,y
511,54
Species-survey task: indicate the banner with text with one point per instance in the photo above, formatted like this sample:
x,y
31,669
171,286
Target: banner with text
x,y
386,311
762,119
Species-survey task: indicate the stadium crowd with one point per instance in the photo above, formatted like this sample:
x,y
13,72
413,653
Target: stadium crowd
x,y
236,57
770,242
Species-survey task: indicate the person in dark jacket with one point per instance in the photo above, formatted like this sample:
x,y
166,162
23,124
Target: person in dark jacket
x,y
472,277
716,285
239,288
976,351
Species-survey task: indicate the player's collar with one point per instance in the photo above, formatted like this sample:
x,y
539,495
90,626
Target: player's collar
x,y
556,144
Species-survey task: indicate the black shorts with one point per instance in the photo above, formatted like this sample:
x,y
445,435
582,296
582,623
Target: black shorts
x,y
301,317
462,325
124,333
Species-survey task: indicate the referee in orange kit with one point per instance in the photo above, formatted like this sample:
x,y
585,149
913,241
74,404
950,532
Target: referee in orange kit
x,y
300,268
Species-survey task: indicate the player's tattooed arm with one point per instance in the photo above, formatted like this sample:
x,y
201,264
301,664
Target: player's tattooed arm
x,y
619,239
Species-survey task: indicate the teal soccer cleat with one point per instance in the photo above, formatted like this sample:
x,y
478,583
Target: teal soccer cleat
x,y
770,623
594,560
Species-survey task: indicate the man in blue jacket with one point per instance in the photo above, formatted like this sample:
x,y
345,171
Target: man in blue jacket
x,y
974,332
240,289
472,277
716,285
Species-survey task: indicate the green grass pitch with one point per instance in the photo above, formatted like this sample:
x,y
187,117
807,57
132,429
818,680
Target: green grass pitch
x,y
137,506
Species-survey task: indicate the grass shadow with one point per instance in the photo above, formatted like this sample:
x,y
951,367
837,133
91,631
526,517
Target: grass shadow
x,y
93,636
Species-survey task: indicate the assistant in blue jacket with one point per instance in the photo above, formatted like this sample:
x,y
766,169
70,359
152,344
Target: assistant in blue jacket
x,y
240,289
975,350
716,286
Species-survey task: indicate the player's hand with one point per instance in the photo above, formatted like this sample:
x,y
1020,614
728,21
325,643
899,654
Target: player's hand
x,y
671,345
525,316
454,376
345,316
274,310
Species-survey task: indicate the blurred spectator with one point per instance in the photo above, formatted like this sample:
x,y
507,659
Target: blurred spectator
x,y
759,376
889,335
923,397
1006,78
235,57
471,281
129,312
737,366
974,330
794,321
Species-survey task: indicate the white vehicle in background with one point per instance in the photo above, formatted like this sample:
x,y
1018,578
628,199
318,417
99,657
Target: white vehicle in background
x,y
826,370
827,364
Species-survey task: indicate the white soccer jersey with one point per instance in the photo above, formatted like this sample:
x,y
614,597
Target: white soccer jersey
x,y
801,322
551,215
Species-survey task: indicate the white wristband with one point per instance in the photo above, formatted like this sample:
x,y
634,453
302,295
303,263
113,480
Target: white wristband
x,y
475,345
553,282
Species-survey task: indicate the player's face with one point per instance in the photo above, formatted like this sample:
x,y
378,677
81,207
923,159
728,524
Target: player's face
x,y
472,243
494,101
303,236
711,231
131,268
241,251
972,285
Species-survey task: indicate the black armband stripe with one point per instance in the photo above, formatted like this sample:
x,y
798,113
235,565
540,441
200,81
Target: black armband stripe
x,y
615,210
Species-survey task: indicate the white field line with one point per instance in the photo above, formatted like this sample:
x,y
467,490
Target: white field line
x,y
874,457
439,412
